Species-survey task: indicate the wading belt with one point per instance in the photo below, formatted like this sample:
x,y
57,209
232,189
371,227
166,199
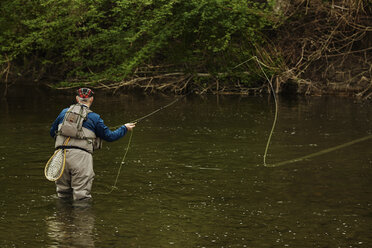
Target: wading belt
x,y
72,147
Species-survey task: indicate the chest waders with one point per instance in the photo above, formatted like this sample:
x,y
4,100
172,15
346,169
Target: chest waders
x,y
76,180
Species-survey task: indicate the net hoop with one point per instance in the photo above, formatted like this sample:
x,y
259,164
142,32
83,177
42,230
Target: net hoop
x,y
47,166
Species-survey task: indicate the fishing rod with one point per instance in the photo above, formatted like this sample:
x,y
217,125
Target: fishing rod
x,y
155,111
159,109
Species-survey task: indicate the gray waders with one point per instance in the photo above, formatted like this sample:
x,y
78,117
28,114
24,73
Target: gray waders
x,y
77,178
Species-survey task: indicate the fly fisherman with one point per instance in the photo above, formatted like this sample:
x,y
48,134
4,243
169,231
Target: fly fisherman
x,y
86,131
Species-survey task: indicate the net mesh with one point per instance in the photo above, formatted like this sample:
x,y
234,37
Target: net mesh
x,y
54,167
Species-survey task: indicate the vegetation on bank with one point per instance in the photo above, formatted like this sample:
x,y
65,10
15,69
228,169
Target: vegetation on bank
x,y
227,46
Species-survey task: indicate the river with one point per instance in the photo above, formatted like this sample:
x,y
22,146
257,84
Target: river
x,y
194,174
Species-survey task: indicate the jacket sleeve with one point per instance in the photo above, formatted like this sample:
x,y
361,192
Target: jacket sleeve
x,y
105,133
55,124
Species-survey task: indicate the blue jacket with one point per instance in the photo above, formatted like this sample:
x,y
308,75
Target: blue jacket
x,y
93,123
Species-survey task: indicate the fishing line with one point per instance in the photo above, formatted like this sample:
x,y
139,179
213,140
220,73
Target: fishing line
x,y
275,101
306,156
113,187
321,152
275,121
275,116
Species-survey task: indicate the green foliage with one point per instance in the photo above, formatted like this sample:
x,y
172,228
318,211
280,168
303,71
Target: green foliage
x,y
106,40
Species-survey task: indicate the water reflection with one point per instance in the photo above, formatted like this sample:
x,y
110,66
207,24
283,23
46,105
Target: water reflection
x,y
71,225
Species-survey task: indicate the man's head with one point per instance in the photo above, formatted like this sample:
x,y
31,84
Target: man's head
x,y
84,96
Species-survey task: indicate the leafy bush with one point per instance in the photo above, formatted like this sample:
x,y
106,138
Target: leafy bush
x,y
106,41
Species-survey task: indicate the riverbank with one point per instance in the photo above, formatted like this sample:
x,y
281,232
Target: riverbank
x,y
288,90
216,47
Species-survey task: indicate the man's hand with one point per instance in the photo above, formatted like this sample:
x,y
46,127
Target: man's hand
x,y
130,126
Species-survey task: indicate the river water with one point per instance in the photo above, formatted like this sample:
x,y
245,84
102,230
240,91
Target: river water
x,y
194,175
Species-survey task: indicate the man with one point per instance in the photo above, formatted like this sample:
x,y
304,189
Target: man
x,y
79,130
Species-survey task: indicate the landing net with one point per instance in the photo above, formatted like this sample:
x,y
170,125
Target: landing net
x,y
55,166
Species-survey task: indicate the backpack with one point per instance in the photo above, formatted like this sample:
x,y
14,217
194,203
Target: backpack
x,y
72,124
